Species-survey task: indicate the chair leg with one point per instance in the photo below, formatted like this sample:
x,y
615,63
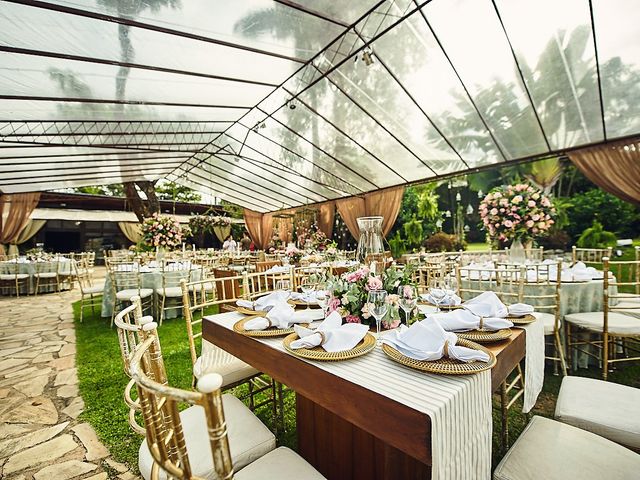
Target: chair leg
x,y
605,356
560,353
504,417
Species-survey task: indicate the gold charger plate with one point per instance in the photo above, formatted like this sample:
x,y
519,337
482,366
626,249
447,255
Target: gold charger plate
x,y
367,344
441,307
485,336
444,366
270,332
247,311
301,303
523,320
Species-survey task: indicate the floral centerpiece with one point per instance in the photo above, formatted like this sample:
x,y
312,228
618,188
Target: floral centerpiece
x,y
319,240
331,251
162,231
293,254
517,212
349,294
205,223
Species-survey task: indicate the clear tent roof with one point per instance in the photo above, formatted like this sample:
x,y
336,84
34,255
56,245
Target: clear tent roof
x,y
276,104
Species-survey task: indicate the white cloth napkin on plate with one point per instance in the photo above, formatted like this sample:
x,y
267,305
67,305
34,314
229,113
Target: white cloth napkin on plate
x,y
520,309
449,299
311,297
426,340
487,304
334,336
463,320
280,316
278,269
266,302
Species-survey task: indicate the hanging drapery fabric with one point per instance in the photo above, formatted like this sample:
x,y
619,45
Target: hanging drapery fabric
x,y
326,216
222,231
614,167
31,228
384,203
15,210
259,226
131,230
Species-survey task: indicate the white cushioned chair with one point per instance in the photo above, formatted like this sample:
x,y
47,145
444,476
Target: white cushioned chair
x,y
551,450
607,409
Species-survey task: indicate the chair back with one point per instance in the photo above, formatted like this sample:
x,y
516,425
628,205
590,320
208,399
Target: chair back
x,y
160,410
259,283
9,265
423,274
621,288
47,266
264,266
125,276
173,273
542,287
507,282
299,274
590,256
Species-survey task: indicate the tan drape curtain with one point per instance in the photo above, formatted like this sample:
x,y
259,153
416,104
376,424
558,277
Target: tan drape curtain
x,y
285,229
259,226
15,210
614,167
385,203
326,217
222,232
30,229
131,230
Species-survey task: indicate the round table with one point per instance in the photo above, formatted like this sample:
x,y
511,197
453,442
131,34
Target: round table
x,y
65,268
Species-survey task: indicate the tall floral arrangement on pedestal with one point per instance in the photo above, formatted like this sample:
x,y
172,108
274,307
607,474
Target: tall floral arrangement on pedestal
x,y
162,231
517,212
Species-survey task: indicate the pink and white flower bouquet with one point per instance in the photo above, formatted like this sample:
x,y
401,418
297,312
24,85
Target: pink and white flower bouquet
x,y
517,212
162,231
293,254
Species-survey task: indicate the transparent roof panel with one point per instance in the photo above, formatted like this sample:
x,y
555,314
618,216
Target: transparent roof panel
x,y
616,25
346,12
557,58
259,24
479,52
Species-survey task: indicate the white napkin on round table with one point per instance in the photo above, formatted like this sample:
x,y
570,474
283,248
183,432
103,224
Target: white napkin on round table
x,y
265,303
449,299
463,320
425,340
520,309
487,304
280,316
335,336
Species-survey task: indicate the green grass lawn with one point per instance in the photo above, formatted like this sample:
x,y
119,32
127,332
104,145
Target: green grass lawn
x,y
102,381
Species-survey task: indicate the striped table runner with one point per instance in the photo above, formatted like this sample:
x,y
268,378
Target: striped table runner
x,y
459,406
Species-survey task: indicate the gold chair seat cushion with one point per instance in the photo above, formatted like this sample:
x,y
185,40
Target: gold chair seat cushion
x,y
548,320
249,439
93,289
12,276
215,359
607,409
46,275
173,292
125,295
552,450
619,323
280,464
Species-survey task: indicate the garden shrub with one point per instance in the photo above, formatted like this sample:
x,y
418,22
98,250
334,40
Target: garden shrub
x,y
556,240
596,237
441,242
614,214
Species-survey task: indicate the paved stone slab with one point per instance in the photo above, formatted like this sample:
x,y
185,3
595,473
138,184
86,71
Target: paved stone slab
x,y
75,408
33,387
98,476
67,391
66,377
88,437
70,469
13,445
63,363
117,466
35,410
68,349
45,452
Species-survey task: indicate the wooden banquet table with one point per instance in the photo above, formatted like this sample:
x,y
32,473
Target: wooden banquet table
x,y
344,429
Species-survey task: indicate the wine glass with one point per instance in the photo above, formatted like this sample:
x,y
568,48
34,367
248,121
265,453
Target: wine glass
x,y
283,285
323,296
437,290
408,298
308,286
377,306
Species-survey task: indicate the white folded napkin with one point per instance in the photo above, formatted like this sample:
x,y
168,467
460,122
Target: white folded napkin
x,y
463,320
280,316
311,297
428,341
331,334
266,302
278,269
487,304
450,299
520,309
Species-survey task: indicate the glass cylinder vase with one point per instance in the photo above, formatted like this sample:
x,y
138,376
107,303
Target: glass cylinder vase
x,y
517,253
370,244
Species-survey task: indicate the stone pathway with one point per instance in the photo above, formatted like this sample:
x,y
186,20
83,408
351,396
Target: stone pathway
x,y
41,436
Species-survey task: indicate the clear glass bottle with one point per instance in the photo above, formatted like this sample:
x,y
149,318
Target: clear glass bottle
x,y
370,250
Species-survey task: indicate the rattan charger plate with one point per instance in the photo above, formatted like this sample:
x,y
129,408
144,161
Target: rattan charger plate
x,y
523,320
248,311
367,344
485,336
444,366
302,303
441,307
269,332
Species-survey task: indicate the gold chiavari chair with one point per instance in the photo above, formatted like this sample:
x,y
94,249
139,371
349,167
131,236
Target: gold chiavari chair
x,y
213,292
423,274
299,274
11,278
90,295
590,256
617,327
46,275
193,443
267,264
170,290
126,282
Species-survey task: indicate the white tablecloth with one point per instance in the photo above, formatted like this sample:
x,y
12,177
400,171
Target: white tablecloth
x,y
459,406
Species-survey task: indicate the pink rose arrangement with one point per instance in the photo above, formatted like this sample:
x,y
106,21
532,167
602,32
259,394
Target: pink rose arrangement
x,y
293,254
162,231
517,211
